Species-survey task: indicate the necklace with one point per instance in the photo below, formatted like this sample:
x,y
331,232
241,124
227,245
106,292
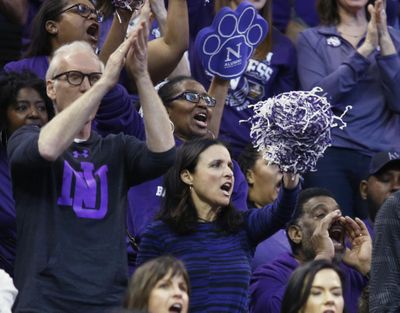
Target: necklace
x,y
350,35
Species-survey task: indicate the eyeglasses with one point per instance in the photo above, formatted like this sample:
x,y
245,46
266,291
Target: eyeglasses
x,y
85,11
76,78
195,97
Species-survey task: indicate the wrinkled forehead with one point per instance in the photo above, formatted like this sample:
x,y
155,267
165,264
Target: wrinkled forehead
x,y
80,61
319,203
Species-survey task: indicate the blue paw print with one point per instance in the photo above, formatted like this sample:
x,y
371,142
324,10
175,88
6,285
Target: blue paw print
x,y
226,46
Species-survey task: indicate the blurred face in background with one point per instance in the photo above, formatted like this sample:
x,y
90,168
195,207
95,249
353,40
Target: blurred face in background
x,y
326,294
264,182
29,108
170,294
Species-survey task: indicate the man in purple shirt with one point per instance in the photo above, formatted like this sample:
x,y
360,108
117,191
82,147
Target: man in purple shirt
x,y
316,231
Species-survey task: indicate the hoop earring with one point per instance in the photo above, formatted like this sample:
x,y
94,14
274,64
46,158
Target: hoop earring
x,y
172,126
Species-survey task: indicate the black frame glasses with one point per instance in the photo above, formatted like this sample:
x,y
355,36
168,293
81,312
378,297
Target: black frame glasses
x,y
194,97
75,78
85,11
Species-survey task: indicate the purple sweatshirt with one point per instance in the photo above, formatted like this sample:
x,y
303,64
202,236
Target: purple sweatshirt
x,y
305,10
269,281
370,85
7,216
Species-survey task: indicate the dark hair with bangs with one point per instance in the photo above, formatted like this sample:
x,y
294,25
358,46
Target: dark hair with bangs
x,y
299,286
146,278
178,210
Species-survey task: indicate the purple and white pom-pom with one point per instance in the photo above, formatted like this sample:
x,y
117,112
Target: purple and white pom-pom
x,y
293,129
129,5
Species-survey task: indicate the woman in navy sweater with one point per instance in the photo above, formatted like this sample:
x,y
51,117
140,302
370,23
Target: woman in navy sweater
x,y
199,225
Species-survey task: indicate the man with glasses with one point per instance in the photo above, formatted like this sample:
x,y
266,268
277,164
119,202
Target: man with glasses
x,y
70,184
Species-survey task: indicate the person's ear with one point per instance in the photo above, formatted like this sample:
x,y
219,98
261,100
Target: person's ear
x,y
51,92
295,234
51,27
250,177
186,177
364,189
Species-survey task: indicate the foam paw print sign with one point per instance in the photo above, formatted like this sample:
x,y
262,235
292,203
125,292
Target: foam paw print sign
x,y
226,46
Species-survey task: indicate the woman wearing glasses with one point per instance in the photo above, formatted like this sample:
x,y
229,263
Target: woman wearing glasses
x,y
199,225
62,21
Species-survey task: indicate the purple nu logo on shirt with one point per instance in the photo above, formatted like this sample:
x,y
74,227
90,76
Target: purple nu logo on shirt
x,y
82,190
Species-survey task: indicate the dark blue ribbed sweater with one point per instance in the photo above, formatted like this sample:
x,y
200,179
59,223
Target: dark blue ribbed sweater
x,y
218,262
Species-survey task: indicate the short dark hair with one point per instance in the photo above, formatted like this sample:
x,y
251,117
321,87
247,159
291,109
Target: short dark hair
x,y
178,209
328,11
11,83
170,88
304,196
248,158
40,38
300,283
147,276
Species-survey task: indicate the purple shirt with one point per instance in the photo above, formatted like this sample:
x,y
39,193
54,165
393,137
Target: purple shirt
x,y
370,85
7,216
269,281
270,249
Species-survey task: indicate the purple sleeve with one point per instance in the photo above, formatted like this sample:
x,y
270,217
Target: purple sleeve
x,y
240,189
281,14
389,69
392,9
117,114
312,70
307,11
201,14
263,223
267,288
287,79
37,65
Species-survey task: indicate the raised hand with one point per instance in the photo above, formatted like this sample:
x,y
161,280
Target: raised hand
x,y
359,255
290,180
138,51
320,240
372,39
385,41
116,61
